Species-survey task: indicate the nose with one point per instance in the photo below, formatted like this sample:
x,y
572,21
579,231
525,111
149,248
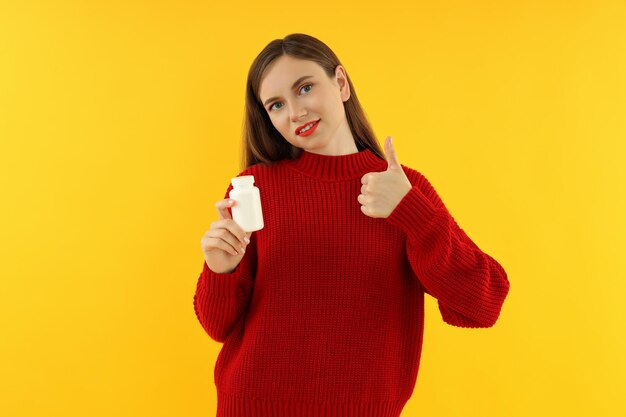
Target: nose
x,y
297,113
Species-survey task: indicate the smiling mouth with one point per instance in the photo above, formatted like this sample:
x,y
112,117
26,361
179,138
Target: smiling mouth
x,y
312,126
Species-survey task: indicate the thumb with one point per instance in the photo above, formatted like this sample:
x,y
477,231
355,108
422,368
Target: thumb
x,y
390,153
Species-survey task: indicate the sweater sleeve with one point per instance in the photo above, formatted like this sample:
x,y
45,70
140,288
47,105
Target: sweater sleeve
x,y
221,300
469,285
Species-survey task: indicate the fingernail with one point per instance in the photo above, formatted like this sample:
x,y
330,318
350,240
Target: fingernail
x,y
246,239
243,250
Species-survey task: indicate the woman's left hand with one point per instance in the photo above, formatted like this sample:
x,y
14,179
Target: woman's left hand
x,y
382,191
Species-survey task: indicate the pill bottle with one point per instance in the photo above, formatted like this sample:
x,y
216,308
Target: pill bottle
x,y
247,211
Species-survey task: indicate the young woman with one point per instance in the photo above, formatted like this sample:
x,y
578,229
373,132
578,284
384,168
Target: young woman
x,y
321,312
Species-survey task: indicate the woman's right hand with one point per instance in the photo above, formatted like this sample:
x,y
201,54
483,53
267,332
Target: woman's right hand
x,y
222,244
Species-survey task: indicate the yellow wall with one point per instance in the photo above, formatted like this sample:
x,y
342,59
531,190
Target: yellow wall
x,y
120,128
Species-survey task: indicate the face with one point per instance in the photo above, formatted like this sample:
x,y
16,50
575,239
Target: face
x,y
296,92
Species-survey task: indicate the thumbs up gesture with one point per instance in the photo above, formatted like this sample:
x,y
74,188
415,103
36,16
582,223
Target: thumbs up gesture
x,y
382,191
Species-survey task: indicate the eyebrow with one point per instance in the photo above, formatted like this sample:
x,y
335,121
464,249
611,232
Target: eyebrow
x,y
298,81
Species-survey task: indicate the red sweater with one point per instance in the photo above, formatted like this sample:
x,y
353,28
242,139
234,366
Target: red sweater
x,y
324,315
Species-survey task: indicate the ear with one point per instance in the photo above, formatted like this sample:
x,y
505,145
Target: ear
x,y
342,80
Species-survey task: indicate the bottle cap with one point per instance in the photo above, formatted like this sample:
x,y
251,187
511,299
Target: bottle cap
x,y
243,181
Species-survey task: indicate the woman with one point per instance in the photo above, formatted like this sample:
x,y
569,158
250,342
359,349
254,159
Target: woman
x,y
321,312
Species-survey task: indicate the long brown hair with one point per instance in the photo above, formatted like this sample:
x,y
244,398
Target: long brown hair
x,y
262,143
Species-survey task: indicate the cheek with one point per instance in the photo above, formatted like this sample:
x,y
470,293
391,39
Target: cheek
x,y
281,124
275,122
332,105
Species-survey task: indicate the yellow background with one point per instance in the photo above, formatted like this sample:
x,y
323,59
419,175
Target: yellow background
x,y
120,128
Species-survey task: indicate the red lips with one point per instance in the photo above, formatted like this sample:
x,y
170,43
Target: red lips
x,y
305,125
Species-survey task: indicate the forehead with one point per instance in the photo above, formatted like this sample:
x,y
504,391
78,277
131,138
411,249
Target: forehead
x,y
284,71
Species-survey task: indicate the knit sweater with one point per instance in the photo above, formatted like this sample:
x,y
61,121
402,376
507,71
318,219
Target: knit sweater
x,y
323,316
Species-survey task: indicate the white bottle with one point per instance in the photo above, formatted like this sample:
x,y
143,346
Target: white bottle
x,y
247,211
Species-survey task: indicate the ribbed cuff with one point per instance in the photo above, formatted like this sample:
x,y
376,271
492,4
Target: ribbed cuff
x,y
236,406
413,213
222,285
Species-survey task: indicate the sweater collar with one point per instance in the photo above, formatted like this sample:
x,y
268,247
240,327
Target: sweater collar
x,y
338,167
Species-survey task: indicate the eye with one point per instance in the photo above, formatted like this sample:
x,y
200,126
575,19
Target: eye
x,y
301,88
272,106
